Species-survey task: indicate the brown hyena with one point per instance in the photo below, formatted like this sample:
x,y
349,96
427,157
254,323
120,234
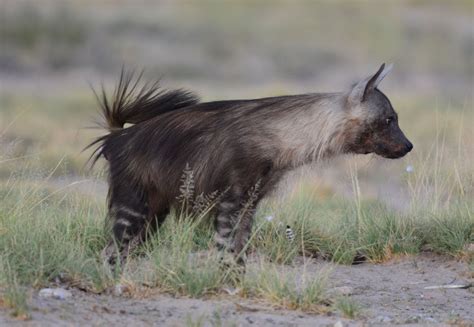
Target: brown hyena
x,y
231,146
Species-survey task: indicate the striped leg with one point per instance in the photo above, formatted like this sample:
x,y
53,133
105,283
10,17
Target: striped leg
x,y
242,234
233,227
134,218
246,212
225,224
129,224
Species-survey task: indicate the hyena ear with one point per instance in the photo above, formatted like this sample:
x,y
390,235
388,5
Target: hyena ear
x,y
360,91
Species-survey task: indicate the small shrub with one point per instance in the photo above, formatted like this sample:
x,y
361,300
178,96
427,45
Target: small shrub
x,y
347,306
286,288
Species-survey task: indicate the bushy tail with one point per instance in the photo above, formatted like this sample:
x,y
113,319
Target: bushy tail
x,y
134,102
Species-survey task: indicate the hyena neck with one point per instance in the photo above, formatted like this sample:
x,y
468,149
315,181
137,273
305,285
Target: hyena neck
x,y
312,131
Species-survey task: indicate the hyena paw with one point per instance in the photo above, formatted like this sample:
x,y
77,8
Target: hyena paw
x,y
110,254
229,261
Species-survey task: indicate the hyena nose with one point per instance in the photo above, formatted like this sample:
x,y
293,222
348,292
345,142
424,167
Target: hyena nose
x,y
408,146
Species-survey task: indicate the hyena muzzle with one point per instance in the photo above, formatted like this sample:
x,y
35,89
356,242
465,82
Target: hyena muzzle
x,y
232,147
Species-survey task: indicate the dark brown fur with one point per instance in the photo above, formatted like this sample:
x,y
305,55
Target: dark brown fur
x,y
239,148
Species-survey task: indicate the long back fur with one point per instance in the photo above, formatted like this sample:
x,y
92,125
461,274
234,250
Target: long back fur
x,y
134,102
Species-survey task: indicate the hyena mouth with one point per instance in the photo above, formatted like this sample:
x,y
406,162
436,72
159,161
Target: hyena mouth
x,y
395,155
395,152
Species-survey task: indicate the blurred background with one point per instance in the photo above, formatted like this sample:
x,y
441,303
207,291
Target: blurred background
x,y
52,51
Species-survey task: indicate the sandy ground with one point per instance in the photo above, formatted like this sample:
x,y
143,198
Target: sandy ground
x,y
392,293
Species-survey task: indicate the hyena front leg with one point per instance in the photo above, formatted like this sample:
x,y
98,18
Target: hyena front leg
x,y
233,226
226,213
242,233
246,213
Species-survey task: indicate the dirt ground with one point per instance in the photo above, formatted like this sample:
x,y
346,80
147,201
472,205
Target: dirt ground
x,y
392,293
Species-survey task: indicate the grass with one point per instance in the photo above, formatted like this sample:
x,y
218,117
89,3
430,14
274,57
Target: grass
x,y
61,37
29,130
27,27
181,260
348,307
215,320
195,321
339,229
287,289
48,235
15,298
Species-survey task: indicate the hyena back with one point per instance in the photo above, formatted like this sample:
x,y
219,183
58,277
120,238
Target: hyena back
x,y
240,148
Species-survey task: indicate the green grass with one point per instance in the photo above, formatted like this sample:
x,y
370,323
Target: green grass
x,y
57,234
339,230
181,260
45,130
14,295
50,233
286,288
46,236
348,307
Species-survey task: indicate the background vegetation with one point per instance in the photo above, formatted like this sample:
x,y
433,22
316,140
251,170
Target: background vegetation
x,y
52,209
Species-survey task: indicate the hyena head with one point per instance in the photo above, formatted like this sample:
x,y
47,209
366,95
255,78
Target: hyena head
x,y
373,123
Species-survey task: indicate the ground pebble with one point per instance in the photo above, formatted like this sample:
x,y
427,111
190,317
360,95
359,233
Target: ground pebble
x,y
339,324
119,289
56,293
469,248
430,320
232,291
383,319
413,319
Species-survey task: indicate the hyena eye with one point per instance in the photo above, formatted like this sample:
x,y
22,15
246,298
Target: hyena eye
x,y
389,120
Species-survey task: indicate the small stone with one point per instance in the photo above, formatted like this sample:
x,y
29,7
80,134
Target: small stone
x,y
384,319
55,293
339,324
469,248
232,291
430,320
119,289
413,319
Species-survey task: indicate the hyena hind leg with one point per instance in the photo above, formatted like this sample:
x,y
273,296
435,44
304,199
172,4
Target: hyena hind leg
x,y
133,222
129,224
